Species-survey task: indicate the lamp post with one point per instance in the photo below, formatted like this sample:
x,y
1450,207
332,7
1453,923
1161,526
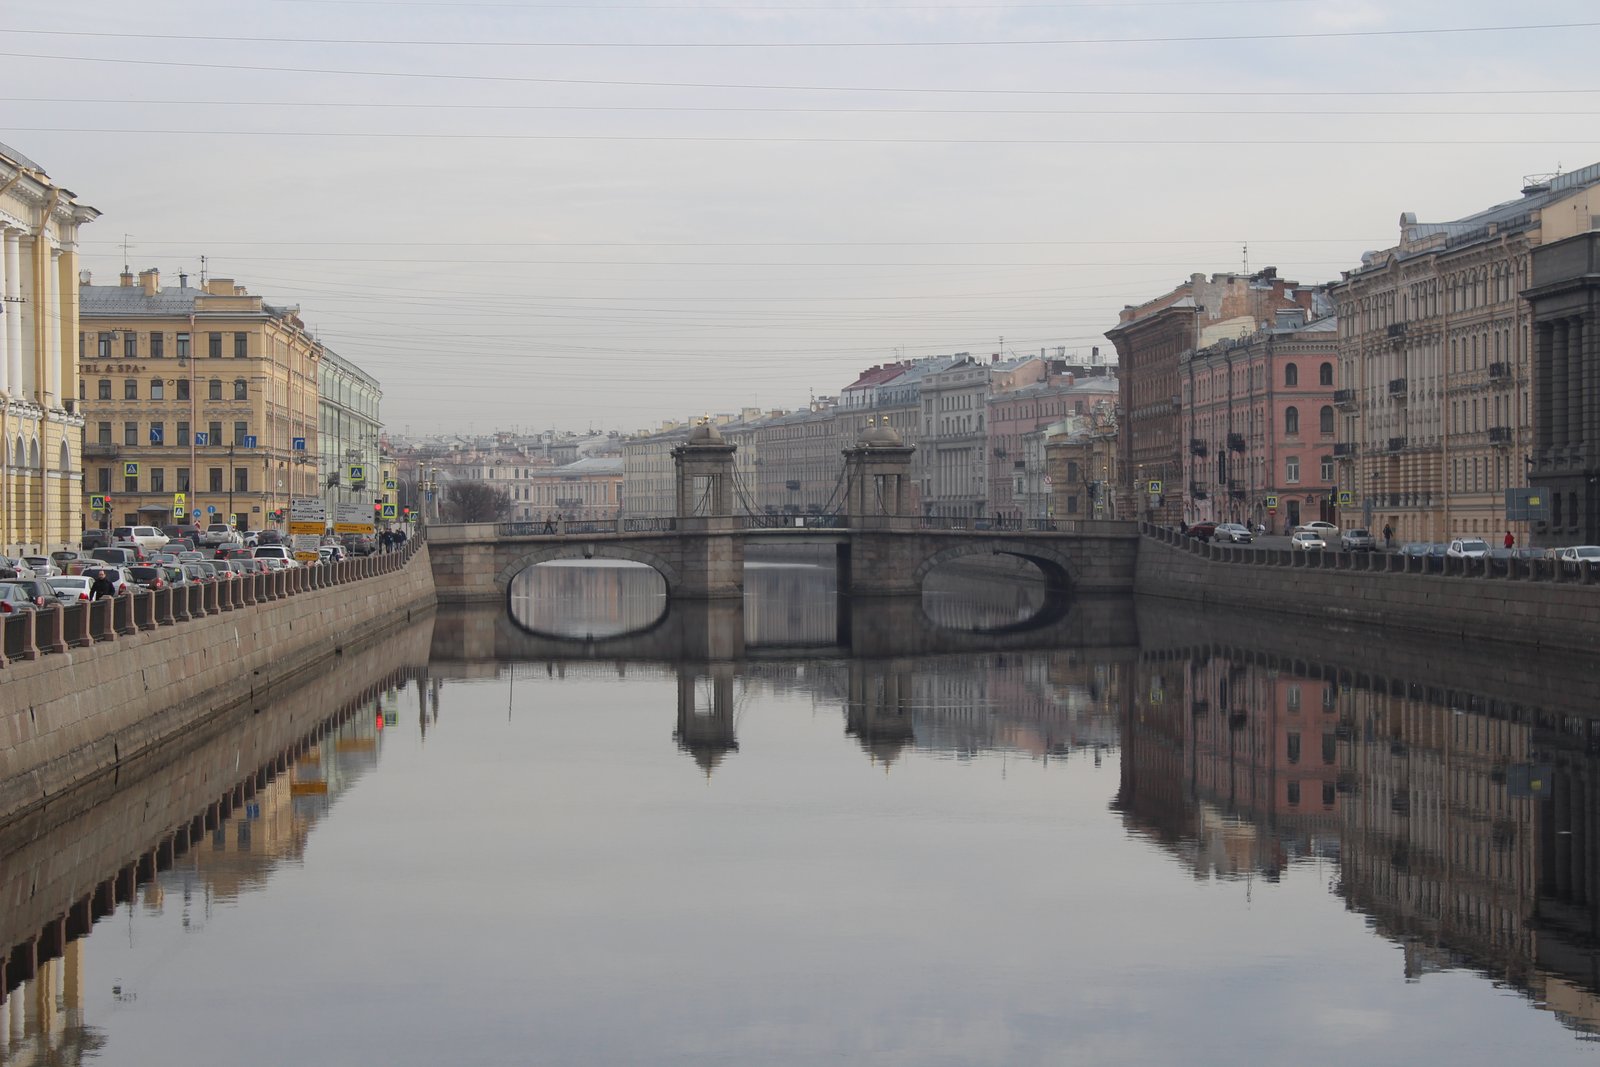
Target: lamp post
x,y
232,518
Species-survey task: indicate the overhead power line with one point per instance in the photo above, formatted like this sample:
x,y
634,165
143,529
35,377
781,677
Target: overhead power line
x,y
778,87
1211,38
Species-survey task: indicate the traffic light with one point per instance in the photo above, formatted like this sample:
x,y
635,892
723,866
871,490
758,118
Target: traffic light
x,y
405,513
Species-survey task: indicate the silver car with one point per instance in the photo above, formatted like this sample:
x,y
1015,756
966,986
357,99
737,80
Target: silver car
x,y
1234,532
1357,541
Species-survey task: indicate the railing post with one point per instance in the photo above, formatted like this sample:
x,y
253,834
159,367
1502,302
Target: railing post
x,y
227,592
144,610
122,614
49,629
179,595
76,623
161,605
102,618
210,597
22,644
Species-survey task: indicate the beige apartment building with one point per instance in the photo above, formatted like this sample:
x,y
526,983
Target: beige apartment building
x,y
1435,365
40,426
198,403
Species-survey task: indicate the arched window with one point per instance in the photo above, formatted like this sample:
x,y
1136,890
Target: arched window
x,y
1291,374
1325,374
1325,421
1291,419
241,389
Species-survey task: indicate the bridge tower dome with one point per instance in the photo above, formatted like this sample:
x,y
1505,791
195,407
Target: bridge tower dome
x,y
878,473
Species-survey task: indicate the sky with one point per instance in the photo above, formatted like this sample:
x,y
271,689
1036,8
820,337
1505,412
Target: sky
x,y
525,215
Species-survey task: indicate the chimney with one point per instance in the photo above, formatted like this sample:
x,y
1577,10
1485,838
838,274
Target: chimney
x,y
183,280
150,281
219,286
1094,355
127,278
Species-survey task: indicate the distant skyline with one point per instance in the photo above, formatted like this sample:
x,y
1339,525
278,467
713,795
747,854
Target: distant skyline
x,y
524,214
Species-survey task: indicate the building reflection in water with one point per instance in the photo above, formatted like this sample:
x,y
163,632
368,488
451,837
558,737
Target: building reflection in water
x,y
1463,827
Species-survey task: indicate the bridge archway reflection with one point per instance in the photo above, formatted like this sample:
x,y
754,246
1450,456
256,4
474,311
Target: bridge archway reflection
x,y
587,599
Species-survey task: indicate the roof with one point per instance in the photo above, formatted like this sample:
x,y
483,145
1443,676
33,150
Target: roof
x,y
584,468
878,375
126,301
17,157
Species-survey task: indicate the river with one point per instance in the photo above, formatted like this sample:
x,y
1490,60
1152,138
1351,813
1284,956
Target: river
x,y
560,839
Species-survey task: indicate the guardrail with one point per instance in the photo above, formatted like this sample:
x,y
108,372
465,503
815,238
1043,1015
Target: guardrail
x,y
669,524
1536,569
56,628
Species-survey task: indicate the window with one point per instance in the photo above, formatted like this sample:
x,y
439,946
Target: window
x,y
103,348
1291,470
158,343
158,479
130,434
215,430
1327,468
1327,794
105,389
103,479
158,389
214,346
241,345
183,346
104,437
183,435
1325,421
215,392
1325,374
1294,792
130,485
1294,746
1291,420
1330,747
215,479
130,345
158,434
183,480
241,430
1293,697
241,479
183,389
130,389
1291,374
241,389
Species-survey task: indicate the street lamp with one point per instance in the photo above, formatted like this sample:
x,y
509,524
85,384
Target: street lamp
x,y
232,518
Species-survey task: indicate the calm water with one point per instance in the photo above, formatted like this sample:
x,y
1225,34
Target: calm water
x,y
1154,850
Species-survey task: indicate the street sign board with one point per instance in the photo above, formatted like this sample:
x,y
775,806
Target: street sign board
x,y
1272,501
1346,498
305,546
358,473
352,519
391,511
180,499
249,440
130,470
156,434
1527,505
1155,487
308,516
211,509
202,438
389,485
299,444
98,503
179,513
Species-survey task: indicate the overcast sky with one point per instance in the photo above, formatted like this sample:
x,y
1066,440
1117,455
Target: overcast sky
x,y
526,214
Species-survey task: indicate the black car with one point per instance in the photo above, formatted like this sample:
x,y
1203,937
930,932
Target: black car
x,y
96,539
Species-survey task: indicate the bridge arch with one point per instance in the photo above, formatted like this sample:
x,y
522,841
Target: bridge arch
x,y
1058,567
549,553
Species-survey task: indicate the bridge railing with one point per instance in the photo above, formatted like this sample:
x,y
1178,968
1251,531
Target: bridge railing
x,y
792,522
1002,524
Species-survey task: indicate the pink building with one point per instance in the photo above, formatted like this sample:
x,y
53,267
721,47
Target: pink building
x,y
1259,417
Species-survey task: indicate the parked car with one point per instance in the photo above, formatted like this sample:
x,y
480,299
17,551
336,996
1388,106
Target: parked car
x,y
330,553
147,537
116,556
42,566
1234,532
148,578
37,590
1201,531
269,537
17,566
62,557
234,552
180,530
138,550
199,572
71,588
358,544
1325,530
218,534
1467,548
95,539
278,552
14,599
1357,541
1576,554
1306,540
117,576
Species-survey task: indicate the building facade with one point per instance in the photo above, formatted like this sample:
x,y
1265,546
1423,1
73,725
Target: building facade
x,y
348,428
1022,421
1152,340
41,428
199,401
1259,417
1435,353
1565,304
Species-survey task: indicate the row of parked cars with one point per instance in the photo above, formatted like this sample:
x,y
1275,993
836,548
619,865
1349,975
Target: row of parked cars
x,y
28,583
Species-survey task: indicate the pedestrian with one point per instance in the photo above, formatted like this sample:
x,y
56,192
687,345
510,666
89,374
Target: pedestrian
x,y
1183,528
549,524
101,586
1388,537
1510,541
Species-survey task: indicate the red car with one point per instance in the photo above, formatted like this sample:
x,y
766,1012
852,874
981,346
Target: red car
x,y
1202,531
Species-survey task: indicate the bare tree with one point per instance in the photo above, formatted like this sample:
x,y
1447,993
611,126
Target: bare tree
x,y
475,502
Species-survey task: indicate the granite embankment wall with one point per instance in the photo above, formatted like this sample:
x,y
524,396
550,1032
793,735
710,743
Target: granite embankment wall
x,y
85,708
1530,604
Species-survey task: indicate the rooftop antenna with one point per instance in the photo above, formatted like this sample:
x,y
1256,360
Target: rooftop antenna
x,y
126,238
1246,254
202,272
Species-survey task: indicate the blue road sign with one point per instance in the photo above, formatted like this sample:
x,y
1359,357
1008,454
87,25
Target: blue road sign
x,y
211,509
299,444
202,439
156,434
249,440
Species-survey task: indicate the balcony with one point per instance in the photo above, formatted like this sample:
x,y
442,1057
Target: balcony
x,y
1200,708
1397,387
1236,442
1499,435
1197,447
1397,330
1345,449
1397,444
792,485
1236,490
1197,491
101,450
1499,372
1344,399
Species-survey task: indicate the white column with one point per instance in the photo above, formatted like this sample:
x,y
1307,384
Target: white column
x,y
52,322
5,321
13,315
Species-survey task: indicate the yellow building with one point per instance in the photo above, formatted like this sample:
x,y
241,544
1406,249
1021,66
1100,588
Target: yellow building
x,y
198,402
40,430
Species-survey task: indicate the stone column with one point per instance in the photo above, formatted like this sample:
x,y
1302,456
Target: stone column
x,y
1543,381
5,320
1575,420
50,387
13,316
1559,434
